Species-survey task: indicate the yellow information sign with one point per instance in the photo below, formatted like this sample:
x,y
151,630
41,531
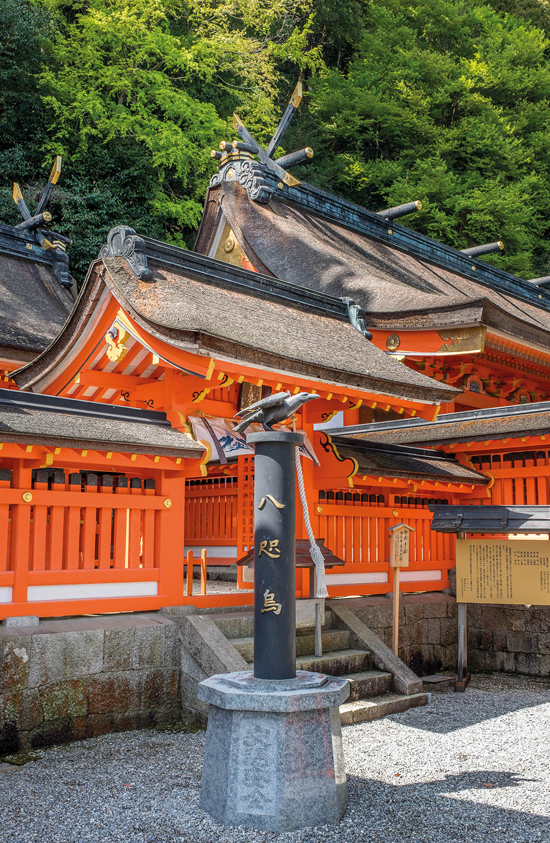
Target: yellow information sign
x,y
497,571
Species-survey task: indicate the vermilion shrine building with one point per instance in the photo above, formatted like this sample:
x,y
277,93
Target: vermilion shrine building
x,y
284,286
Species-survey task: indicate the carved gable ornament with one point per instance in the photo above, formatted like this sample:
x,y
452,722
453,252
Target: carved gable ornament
x,y
123,242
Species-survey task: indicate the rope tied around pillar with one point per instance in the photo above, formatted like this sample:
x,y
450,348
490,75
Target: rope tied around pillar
x,y
315,553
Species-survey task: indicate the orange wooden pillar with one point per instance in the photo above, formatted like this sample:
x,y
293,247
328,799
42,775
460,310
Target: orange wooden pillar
x,y
169,535
21,531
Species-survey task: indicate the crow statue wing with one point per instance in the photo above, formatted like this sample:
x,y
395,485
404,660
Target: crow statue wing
x,y
265,403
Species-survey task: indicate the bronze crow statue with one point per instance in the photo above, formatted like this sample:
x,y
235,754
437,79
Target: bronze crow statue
x,y
272,409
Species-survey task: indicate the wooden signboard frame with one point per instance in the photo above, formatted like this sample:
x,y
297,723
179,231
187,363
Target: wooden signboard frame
x,y
501,571
399,558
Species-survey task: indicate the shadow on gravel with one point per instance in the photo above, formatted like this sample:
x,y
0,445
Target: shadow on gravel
x,y
433,813
436,718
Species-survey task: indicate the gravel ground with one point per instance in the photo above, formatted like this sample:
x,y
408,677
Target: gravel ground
x,y
469,767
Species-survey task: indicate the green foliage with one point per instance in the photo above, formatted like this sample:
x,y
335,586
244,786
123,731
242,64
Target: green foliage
x,y
444,101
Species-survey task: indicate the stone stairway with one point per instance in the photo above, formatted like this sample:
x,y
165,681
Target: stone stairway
x,y
373,693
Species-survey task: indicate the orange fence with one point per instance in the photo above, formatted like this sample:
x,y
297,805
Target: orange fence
x,y
211,511
520,477
356,529
83,542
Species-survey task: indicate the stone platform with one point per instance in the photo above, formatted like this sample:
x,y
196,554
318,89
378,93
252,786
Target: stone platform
x,y
273,758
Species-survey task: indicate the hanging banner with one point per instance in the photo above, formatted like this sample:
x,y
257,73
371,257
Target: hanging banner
x,y
503,571
234,444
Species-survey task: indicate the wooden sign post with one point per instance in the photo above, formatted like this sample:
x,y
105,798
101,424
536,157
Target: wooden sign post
x,y
399,558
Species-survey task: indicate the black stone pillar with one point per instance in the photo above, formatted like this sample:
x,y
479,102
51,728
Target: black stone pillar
x,y
274,554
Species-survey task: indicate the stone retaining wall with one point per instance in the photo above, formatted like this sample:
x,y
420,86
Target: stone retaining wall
x,y
427,628
515,639
77,678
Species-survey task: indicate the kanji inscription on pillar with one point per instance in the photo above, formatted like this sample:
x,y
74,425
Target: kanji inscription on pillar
x,y
507,571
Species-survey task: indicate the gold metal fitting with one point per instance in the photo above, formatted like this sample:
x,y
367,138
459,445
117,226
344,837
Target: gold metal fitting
x,y
47,216
390,231
27,497
309,152
395,513
319,510
280,185
167,503
500,245
229,245
224,145
473,269
230,173
418,205
234,144
213,153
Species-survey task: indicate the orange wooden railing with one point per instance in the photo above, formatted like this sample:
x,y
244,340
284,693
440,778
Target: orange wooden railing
x,y
211,511
83,542
356,528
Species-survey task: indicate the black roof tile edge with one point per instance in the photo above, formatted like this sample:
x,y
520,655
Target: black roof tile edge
x,y
74,406
17,243
446,418
406,450
211,270
348,215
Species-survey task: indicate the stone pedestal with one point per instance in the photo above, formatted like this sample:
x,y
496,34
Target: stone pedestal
x,y
273,758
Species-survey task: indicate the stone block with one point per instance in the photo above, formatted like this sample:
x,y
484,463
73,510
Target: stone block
x,y
376,617
81,728
148,646
452,609
435,610
529,663
499,640
475,612
480,639
14,663
522,642
537,619
439,656
434,631
477,661
118,649
160,687
451,656
65,655
10,709
448,631
171,646
64,699
414,612
101,724
410,634
31,710
22,620
52,732
190,667
114,692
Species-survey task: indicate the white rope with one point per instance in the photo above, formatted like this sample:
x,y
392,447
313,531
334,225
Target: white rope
x,y
316,555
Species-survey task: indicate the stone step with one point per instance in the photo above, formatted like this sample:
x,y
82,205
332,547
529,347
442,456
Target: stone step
x,y
338,663
235,624
368,683
333,639
360,711
241,624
